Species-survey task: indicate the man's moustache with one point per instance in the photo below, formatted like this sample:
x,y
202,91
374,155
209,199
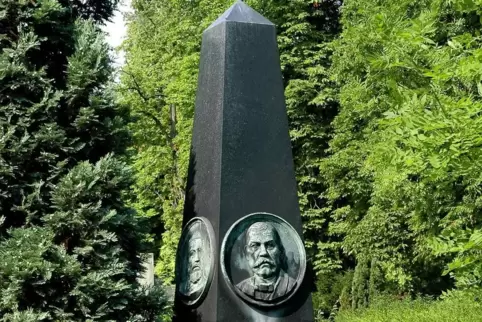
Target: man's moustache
x,y
264,261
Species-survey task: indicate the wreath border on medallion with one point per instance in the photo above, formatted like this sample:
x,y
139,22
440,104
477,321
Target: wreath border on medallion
x,y
302,253
212,240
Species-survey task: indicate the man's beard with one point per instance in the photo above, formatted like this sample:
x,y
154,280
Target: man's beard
x,y
196,275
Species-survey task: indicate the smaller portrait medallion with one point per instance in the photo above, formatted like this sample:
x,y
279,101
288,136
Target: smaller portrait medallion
x,y
195,261
263,259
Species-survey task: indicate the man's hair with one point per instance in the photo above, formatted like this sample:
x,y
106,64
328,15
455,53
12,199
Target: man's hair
x,y
265,225
195,235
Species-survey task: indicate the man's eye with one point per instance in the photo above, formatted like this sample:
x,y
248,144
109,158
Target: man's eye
x,y
254,245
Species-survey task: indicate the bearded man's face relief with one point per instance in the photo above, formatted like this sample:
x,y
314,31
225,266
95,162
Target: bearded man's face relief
x,y
195,265
262,251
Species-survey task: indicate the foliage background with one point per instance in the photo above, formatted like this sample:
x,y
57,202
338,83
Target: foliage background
x,y
160,76
383,100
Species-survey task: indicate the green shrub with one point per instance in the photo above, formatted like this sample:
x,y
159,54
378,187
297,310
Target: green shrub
x,y
333,292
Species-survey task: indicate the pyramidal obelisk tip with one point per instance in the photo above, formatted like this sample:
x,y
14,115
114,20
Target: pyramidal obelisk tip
x,y
241,12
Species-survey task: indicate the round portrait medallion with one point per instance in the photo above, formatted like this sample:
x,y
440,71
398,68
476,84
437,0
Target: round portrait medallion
x,y
263,259
195,261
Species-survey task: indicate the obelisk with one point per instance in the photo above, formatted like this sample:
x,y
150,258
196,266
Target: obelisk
x,y
241,255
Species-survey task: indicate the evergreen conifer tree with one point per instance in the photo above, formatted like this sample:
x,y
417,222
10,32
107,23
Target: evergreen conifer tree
x,y
69,246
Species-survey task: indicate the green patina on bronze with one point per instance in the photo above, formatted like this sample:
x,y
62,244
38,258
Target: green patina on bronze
x,y
263,259
195,261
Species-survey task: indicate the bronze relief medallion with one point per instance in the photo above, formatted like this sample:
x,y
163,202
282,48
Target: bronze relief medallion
x,y
263,259
195,261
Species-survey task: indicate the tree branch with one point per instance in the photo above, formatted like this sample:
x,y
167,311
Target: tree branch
x,y
137,87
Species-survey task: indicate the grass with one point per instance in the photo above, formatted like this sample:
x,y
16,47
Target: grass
x,y
461,308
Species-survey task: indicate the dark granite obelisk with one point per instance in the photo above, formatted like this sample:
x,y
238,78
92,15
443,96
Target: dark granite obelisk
x,y
241,163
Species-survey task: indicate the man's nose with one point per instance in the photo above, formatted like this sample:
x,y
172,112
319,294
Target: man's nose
x,y
263,251
196,257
